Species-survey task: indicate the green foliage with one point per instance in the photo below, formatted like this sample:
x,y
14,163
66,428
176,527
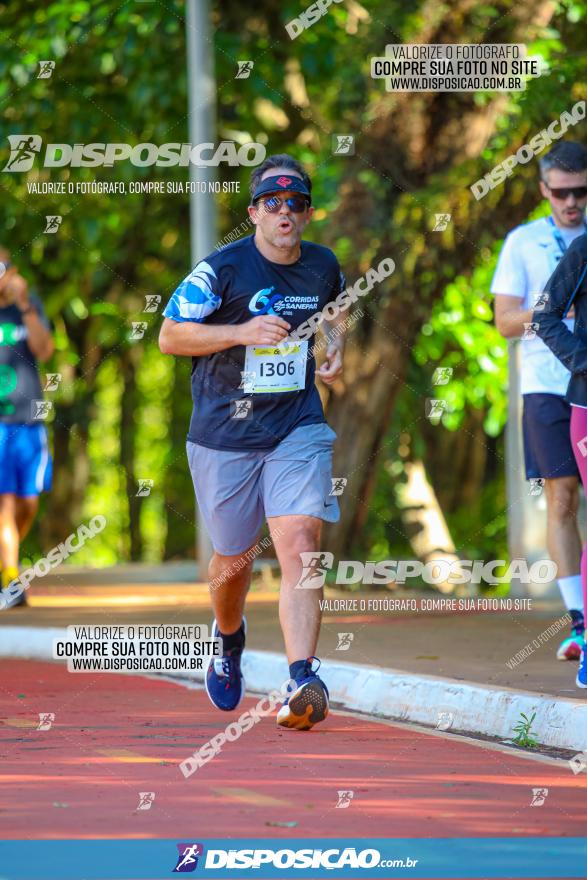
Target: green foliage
x,y
120,76
523,731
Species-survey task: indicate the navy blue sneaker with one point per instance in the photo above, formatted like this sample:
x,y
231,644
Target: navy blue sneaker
x,y
307,701
582,671
225,684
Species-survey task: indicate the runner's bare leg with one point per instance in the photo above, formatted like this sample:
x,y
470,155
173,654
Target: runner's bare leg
x,y
229,579
299,610
26,510
9,542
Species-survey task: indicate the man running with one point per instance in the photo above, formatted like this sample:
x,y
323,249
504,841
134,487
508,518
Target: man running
x,y
25,463
529,255
258,444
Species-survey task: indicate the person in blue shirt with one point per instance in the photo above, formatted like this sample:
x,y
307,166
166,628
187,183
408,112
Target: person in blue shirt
x,y
258,444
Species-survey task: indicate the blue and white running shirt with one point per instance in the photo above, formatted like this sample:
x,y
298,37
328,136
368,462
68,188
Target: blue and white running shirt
x,y
251,397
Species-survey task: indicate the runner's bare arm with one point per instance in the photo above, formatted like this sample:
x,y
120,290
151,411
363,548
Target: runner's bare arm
x,y
509,317
39,338
334,333
192,339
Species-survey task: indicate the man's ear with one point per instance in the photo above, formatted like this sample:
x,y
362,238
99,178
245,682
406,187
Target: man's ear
x,y
252,212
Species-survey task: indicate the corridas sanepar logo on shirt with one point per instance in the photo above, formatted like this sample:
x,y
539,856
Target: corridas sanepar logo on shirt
x,y
266,302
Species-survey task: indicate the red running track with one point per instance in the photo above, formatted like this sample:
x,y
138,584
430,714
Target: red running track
x,y
115,736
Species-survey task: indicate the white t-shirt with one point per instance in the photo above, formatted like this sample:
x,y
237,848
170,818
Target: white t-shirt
x,y
528,258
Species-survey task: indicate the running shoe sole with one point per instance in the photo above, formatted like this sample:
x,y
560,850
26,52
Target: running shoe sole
x,y
242,676
306,707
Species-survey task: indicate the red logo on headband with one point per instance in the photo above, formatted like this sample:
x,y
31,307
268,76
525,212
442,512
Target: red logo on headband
x,y
283,181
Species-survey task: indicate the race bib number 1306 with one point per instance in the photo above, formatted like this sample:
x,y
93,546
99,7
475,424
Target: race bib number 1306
x,y
275,369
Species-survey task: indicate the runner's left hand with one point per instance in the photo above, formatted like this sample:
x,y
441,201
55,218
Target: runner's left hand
x,y
331,369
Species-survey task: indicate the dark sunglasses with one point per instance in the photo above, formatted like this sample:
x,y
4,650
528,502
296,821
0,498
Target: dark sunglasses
x,y
562,193
4,267
296,204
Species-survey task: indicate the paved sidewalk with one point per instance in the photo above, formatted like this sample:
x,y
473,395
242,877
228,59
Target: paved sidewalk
x,y
470,646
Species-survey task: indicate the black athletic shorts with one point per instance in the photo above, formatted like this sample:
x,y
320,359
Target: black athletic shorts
x,y
548,452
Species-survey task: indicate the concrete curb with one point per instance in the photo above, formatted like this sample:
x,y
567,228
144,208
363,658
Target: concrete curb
x,y
388,693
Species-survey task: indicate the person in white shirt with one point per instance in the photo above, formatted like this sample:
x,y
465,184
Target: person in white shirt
x,y
529,255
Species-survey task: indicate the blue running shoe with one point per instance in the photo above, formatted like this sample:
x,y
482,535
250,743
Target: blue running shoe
x,y
225,684
307,701
582,671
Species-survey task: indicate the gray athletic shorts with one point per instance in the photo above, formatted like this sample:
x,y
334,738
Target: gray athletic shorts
x,y
237,490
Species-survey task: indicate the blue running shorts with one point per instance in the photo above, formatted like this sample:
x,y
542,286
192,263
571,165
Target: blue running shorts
x,y
25,463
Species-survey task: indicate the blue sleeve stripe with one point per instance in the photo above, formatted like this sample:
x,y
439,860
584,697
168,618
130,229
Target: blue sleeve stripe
x,y
196,297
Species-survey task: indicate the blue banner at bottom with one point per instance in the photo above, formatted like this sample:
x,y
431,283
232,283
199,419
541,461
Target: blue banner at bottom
x,y
381,858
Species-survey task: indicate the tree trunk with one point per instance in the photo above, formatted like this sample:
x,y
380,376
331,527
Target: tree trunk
x,y
128,429
416,149
180,541
71,469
